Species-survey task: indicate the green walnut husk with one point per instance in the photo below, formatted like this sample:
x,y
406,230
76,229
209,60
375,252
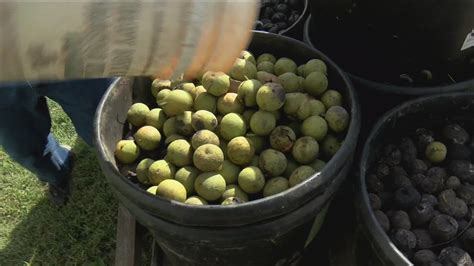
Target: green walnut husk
x,y
275,185
126,151
186,176
159,171
196,200
305,150
179,153
172,190
300,174
136,114
240,150
234,191
251,179
142,170
210,186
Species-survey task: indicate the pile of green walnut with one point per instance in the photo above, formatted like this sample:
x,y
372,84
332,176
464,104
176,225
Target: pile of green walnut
x,y
226,139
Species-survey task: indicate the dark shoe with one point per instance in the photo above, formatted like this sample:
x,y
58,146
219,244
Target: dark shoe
x,y
59,193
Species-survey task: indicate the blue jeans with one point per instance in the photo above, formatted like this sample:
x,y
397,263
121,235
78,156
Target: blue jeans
x,y
25,122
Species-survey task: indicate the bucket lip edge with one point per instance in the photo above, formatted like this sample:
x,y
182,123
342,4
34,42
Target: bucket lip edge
x,y
304,13
394,89
375,230
345,151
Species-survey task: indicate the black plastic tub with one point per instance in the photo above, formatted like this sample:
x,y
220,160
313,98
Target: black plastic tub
x,y
384,40
269,231
429,111
311,39
378,97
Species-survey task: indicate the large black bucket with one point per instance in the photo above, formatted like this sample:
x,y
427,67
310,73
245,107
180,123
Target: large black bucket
x,y
380,40
430,111
270,231
376,96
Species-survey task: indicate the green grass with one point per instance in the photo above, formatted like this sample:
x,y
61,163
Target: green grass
x,y
34,232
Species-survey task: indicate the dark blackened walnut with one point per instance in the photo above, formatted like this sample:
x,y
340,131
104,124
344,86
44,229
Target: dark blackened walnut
x,y
464,170
418,179
452,206
423,238
454,133
462,224
422,213
454,256
468,240
404,239
406,198
293,18
429,199
466,193
431,184
400,181
448,193
281,25
382,170
274,29
266,3
408,149
397,170
283,8
382,219
279,17
417,166
423,138
375,201
424,257
294,3
374,184
386,197
443,227
458,152
437,172
452,182
392,155
399,220
434,181
267,12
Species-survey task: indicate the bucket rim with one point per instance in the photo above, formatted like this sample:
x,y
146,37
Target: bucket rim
x,y
302,17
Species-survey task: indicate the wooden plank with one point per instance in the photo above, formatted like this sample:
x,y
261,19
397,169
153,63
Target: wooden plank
x,y
126,233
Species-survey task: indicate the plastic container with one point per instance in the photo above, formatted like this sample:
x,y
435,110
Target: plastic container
x,y
377,97
383,40
429,111
264,232
311,39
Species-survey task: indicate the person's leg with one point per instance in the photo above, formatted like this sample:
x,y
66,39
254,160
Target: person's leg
x,y
25,134
79,99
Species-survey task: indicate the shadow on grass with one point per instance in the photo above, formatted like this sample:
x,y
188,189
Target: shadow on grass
x,y
81,232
